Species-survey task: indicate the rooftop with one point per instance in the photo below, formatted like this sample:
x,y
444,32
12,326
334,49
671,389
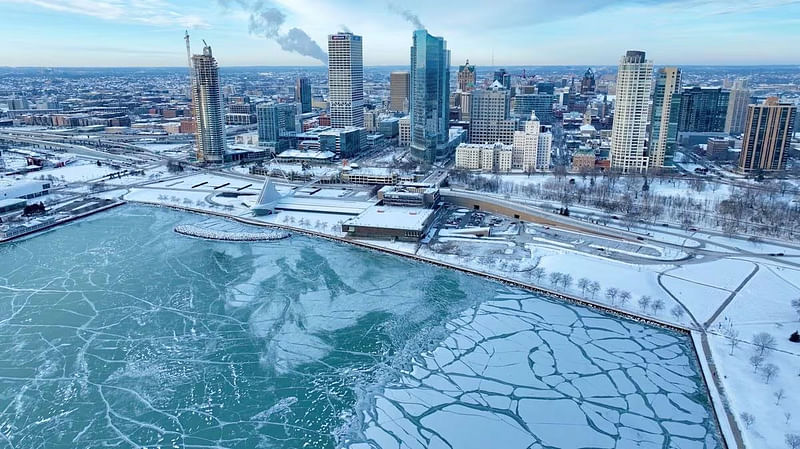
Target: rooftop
x,y
392,217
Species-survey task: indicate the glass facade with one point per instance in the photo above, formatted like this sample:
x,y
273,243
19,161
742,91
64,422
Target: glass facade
x,y
703,110
429,95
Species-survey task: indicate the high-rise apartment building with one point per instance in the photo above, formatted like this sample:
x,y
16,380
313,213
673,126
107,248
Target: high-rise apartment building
x,y
302,94
664,120
466,77
703,110
398,91
767,136
345,80
629,133
275,120
207,107
489,116
429,95
737,107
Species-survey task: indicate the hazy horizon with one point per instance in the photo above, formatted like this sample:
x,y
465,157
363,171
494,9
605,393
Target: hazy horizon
x,y
149,33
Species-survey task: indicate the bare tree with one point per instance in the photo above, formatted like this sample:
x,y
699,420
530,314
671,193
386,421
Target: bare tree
x,y
793,441
624,297
644,302
788,416
733,335
658,306
555,278
583,284
796,306
769,371
756,360
594,287
538,274
566,281
747,419
677,312
779,395
764,343
611,294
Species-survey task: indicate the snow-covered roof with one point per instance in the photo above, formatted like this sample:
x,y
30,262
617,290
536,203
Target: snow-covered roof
x,y
392,217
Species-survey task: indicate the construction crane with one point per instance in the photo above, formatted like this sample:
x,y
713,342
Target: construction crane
x,y
189,56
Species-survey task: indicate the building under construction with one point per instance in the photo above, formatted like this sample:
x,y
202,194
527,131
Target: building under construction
x,y
207,106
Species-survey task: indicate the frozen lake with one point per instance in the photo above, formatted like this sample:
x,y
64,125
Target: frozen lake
x,y
115,331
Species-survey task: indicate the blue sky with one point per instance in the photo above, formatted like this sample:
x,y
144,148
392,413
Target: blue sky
x,y
514,32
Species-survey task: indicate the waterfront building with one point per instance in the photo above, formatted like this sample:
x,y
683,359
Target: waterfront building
x,y
429,95
207,107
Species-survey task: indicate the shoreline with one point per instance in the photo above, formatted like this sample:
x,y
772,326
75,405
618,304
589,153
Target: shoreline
x,y
715,398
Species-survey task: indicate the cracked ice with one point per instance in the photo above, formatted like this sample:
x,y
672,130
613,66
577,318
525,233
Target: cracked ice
x,y
116,331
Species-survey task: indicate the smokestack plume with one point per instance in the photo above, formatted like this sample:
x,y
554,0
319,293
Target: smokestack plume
x,y
408,15
267,20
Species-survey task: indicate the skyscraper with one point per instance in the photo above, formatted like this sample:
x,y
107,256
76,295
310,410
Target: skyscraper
x,y
207,107
503,77
767,136
542,104
628,152
489,116
526,146
398,91
737,107
429,96
664,121
274,121
345,80
703,110
302,94
466,77
588,83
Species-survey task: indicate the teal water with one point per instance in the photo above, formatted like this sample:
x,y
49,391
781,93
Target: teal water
x,y
117,332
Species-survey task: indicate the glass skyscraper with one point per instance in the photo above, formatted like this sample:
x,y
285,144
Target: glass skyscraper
x,y
302,94
664,119
703,110
429,95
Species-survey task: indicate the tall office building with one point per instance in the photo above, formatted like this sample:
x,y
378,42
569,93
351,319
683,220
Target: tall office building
x,y
525,148
466,77
767,136
737,107
429,96
664,120
703,110
207,107
345,80
503,77
628,135
398,91
588,84
302,94
541,104
490,121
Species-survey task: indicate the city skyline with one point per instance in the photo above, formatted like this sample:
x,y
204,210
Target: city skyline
x,y
140,33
